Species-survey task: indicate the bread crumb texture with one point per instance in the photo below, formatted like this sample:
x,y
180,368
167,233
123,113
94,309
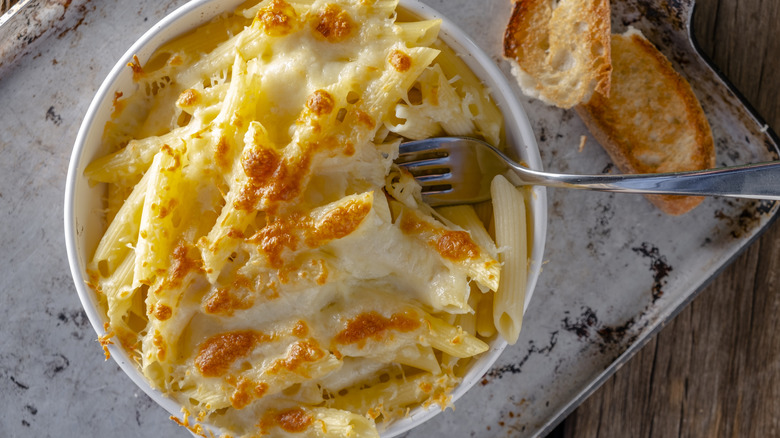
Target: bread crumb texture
x,y
560,49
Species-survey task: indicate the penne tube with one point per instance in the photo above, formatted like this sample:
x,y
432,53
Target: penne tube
x,y
455,247
452,340
487,118
384,397
419,33
509,211
333,423
158,232
134,159
122,233
465,216
484,317
419,357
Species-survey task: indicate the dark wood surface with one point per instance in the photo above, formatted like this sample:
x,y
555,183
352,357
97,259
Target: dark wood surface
x,y
714,370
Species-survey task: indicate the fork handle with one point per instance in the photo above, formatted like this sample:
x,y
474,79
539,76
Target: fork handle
x,y
756,181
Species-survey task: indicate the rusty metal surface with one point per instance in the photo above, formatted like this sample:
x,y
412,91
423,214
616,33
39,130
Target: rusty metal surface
x,y
616,268
28,21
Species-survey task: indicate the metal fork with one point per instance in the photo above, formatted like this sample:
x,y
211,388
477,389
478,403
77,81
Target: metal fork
x,y
458,170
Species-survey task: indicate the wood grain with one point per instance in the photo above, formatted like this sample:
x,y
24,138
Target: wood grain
x,y
715,369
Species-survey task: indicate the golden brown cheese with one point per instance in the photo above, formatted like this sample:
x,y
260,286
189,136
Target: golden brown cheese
x,y
220,153
453,245
278,18
243,395
333,23
118,104
244,320
287,232
162,312
337,223
320,103
298,356
138,71
225,301
300,329
456,245
181,265
400,61
159,343
275,237
364,118
277,180
217,354
188,97
372,325
294,420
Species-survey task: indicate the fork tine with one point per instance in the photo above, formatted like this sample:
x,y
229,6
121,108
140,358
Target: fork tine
x,y
433,179
449,192
419,146
408,157
427,167
414,151
449,170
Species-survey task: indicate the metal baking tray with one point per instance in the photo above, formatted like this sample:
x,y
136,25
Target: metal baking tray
x,y
616,269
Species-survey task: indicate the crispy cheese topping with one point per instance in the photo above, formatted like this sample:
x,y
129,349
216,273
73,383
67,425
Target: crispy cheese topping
x,y
278,18
299,355
372,325
287,233
400,61
294,420
453,245
333,23
188,98
320,103
218,353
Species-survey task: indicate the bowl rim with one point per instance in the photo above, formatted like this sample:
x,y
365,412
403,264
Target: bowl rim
x,y
454,37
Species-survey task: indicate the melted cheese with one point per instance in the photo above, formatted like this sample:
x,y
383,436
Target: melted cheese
x,y
292,280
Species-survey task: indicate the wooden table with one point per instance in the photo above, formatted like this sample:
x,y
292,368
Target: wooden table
x,y
715,369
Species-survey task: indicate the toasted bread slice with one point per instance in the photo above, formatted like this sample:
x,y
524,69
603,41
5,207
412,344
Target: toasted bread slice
x,y
651,122
559,49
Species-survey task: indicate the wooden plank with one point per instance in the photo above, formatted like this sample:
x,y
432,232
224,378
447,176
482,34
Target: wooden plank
x,y
715,369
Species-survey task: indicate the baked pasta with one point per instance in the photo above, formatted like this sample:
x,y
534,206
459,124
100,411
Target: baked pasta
x,y
265,263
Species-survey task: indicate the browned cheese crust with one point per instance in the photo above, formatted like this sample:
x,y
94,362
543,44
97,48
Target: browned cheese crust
x,y
562,47
651,122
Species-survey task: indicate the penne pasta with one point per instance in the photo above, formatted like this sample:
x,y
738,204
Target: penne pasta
x,y
265,262
419,33
509,208
158,232
133,160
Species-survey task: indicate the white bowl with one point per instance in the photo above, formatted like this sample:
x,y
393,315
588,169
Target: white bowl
x,y
83,203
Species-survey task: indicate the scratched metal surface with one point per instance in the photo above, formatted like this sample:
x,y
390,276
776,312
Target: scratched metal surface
x,y
616,269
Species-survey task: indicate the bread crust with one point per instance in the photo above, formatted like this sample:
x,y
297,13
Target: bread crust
x,y
652,122
560,49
